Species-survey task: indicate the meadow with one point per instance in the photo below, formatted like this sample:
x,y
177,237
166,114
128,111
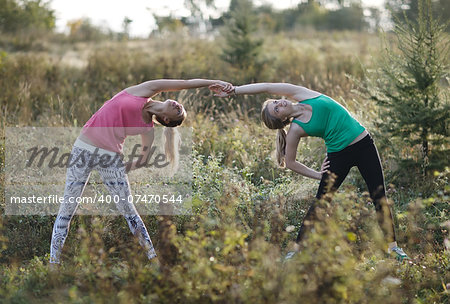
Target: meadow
x,y
245,210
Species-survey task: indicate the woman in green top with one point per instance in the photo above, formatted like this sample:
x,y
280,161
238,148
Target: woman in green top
x,y
347,141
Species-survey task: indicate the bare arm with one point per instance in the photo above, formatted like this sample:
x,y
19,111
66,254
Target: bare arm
x,y
292,141
147,141
153,87
292,91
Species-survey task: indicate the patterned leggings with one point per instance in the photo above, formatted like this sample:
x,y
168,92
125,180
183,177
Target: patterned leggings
x,y
115,179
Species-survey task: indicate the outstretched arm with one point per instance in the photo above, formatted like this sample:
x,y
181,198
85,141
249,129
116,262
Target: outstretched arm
x,y
153,87
285,89
292,140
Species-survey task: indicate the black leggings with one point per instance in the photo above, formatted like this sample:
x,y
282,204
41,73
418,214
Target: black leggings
x,y
364,155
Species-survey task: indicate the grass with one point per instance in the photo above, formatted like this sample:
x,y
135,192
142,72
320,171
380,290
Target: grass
x,y
245,210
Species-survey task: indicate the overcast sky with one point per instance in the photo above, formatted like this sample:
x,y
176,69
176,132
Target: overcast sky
x,y
111,13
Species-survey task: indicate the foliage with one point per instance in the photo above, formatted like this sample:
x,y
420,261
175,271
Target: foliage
x,y
245,210
25,24
25,15
241,49
167,24
230,250
345,18
83,30
343,15
414,104
410,9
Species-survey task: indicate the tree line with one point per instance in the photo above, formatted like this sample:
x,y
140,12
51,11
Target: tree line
x,y
37,15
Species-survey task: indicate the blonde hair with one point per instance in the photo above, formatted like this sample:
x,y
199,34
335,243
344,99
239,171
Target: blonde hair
x,y
172,138
275,123
172,144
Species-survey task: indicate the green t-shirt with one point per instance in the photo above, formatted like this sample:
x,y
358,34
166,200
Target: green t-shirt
x,y
332,122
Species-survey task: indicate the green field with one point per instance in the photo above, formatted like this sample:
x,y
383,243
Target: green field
x,y
245,210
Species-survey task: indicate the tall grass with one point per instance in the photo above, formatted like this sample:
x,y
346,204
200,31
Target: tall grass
x,y
245,212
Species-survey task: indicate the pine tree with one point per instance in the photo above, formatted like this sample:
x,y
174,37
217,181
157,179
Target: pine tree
x,y
242,48
414,103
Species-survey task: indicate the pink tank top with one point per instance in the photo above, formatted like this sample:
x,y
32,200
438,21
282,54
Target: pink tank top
x,y
119,117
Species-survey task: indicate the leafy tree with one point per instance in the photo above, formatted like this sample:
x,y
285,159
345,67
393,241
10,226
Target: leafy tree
x,y
198,8
311,14
9,15
84,30
126,27
168,23
415,106
346,18
347,15
25,15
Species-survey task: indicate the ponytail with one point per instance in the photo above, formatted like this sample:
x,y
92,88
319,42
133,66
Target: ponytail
x,y
281,148
172,139
172,143
275,123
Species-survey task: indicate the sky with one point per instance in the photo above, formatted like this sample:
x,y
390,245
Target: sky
x,y
111,13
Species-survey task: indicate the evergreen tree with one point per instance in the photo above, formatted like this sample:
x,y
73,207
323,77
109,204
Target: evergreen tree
x,y
414,105
242,49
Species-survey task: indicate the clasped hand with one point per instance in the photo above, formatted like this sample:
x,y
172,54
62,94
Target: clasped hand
x,y
222,89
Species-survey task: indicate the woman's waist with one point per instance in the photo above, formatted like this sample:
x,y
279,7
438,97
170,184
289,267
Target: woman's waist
x,y
85,143
85,139
360,142
359,138
110,139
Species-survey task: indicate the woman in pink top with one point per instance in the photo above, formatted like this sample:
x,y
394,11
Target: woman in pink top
x,y
99,146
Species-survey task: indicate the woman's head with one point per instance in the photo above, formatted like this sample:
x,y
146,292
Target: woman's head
x,y
173,114
275,115
168,113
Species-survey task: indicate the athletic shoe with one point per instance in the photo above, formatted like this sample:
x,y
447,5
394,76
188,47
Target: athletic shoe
x,y
400,255
289,255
